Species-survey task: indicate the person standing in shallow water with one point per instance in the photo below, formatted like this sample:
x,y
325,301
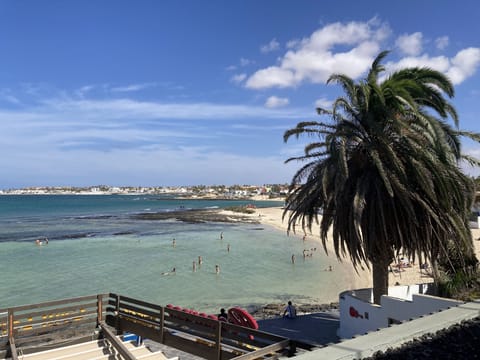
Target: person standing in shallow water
x,y
217,269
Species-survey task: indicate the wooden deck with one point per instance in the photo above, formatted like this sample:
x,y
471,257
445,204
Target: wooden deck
x,y
91,324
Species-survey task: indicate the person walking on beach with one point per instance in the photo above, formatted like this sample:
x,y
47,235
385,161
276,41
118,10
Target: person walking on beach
x,y
290,311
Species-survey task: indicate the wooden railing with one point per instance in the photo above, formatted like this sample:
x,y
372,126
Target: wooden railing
x,y
50,324
197,335
53,324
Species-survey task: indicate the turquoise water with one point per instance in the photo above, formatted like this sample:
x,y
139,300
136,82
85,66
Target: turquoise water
x,y
96,246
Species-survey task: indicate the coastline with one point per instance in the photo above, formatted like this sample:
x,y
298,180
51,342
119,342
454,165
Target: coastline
x,y
357,280
273,217
351,278
363,278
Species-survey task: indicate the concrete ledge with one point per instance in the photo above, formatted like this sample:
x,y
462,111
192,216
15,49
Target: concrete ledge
x,y
396,335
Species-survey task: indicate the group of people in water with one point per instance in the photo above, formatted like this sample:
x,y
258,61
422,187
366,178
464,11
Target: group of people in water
x,y
196,263
307,253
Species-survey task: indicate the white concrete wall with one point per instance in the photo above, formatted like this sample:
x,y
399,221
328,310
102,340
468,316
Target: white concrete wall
x,y
359,316
475,225
406,291
369,316
402,310
394,336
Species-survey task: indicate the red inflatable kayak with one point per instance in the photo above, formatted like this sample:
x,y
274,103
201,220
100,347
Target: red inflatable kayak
x,y
239,316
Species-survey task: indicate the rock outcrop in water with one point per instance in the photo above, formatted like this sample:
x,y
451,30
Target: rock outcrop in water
x,y
199,216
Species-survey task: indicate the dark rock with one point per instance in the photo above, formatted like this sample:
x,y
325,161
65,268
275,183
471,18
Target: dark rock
x,y
198,216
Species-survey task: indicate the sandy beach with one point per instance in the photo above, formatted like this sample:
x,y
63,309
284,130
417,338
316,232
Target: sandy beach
x,y
363,278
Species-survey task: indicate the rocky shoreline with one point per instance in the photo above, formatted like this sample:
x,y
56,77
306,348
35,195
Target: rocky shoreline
x,y
199,216
271,311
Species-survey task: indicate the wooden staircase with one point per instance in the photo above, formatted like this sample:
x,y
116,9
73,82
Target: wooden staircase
x,y
95,350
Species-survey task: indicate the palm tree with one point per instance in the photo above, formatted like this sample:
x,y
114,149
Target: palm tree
x,y
384,171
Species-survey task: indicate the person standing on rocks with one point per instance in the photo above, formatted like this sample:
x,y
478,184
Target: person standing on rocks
x,y
290,312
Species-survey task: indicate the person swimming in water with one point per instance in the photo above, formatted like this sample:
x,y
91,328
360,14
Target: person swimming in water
x,y
171,272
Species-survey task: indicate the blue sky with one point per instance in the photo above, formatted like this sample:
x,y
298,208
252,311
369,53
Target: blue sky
x,y
178,92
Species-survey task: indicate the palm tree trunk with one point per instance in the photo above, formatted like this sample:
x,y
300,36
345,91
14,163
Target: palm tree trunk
x,y
380,279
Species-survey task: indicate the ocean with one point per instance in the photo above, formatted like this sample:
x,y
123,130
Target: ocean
x,y
96,245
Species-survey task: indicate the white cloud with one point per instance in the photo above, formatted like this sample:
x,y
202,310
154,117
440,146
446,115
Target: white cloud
x,y
242,63
460,67
292,43
144,166
410,44
6,95
323,103
270,77
442,42
464,64
440,63
275,102
237,79
84,90
271,46
132,87
312,59
78,141
349,48
245,62
104,110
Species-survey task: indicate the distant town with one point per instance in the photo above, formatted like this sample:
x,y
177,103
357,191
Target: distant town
x,y
271,191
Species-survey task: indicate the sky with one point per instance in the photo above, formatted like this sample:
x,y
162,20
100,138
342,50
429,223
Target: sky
x,y
189,92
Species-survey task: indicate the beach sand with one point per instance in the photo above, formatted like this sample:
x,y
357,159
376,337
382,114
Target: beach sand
x,y
363,278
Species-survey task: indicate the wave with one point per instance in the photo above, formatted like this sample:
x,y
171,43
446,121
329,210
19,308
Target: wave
x,y
74,236
126,232
92,217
